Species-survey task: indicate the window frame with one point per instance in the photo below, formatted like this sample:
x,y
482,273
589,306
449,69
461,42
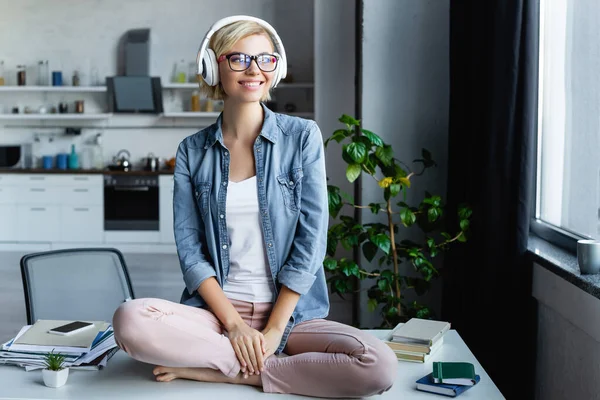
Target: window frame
x,y
558,236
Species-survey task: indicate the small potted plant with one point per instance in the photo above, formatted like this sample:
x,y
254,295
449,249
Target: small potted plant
x,y
55,374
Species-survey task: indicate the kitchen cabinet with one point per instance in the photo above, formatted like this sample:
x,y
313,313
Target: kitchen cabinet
x,y
51,208
82,224
8,224
8,210
166,187
38,223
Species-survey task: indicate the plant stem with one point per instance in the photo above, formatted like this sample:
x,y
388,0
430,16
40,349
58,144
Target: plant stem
x,y
368,273
355,206
450,240
394,254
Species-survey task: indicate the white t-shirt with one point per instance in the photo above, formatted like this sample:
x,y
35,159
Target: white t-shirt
x,y
249,277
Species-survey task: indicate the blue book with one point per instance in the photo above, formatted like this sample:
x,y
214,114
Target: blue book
x,y
426,384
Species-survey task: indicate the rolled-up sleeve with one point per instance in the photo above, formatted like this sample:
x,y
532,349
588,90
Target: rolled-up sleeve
x,y
188,226
310,239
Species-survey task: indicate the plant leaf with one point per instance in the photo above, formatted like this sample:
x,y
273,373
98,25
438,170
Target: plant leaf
x,y
372,305
357,151
382,241
373,138
353,172
385,154
383,285
375,207
464,224
369,250
346,119
351,268
395,189
338,135
330,264
433,213
408,217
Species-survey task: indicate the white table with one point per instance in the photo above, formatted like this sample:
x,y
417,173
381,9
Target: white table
x,y
125,378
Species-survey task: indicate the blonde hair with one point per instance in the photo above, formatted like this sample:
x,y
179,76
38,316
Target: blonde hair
x,y
222,41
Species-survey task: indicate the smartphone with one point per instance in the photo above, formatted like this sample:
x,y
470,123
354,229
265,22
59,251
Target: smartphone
x,y
71,328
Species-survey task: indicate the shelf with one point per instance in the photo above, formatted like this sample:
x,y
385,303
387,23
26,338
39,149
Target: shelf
x,y
77,89
190,114
54,116
295,85
282,85
173,85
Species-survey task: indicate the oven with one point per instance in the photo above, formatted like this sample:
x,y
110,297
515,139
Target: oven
x,y
131,203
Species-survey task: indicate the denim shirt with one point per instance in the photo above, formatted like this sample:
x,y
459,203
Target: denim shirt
x,y
293,207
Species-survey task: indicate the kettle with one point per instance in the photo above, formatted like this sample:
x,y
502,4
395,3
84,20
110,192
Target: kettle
x,y
152,163
121,160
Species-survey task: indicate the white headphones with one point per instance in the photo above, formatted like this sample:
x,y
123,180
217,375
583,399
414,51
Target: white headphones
x,y
206,60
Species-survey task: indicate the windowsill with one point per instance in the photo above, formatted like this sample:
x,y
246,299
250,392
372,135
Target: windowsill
x,y
563,264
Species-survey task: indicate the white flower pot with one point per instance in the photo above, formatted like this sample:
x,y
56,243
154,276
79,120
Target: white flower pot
x,y
55,378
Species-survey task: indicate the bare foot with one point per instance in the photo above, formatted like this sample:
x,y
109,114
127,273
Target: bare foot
x,y
167,374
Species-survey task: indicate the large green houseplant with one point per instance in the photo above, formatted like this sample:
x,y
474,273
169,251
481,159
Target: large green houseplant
x,y
366,153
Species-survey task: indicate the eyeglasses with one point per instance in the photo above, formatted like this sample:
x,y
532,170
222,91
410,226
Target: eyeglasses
x,y
241,62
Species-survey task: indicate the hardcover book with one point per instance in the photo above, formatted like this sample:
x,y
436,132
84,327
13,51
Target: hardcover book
x,y
454,373
426,384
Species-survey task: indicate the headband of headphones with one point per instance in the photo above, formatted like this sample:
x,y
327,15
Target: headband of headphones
x,y
207,65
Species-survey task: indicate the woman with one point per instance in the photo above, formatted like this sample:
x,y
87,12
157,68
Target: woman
x,y
251,214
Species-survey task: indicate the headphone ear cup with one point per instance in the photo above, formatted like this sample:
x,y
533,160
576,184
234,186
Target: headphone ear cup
x,y
210,72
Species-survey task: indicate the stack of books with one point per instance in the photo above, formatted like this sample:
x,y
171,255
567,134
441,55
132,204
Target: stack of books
x,y
449,378
417,339
89,350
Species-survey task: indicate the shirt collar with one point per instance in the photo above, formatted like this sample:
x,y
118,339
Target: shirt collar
x,y
269,129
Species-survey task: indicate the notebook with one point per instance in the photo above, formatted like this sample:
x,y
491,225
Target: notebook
x,y
420,331
426,384
38,335
454,373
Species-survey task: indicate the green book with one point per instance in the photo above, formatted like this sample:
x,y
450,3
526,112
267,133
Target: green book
x,y
454,373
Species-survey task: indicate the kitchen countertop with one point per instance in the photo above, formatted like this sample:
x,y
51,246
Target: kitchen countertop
x,y
85,171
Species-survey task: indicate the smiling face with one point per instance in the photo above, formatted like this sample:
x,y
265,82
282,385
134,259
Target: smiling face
x,y
251,85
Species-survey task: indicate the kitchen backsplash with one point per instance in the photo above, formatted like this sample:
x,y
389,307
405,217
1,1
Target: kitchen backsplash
x,y
161,142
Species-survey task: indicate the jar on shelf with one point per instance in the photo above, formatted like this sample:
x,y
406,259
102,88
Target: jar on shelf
x,y
21,75
195,101
76,79
192,72
42,73
181,76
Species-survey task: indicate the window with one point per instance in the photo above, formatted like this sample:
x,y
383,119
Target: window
x,y
568,154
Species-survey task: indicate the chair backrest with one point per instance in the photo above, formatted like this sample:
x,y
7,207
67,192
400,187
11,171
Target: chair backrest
x,y
75,284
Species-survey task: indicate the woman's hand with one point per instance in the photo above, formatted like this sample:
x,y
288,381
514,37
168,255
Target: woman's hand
x,y
272,339
249,346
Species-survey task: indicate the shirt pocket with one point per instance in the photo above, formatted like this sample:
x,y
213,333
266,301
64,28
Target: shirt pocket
x,y
290,184
202,193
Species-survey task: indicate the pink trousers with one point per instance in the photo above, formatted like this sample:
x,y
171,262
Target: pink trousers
x,y
325,358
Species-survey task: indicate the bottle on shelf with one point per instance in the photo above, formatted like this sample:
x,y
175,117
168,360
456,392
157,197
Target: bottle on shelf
x,y
40,73
1,73
98,157
73,158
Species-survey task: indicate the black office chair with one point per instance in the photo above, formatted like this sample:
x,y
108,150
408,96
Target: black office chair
x,y
75,284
